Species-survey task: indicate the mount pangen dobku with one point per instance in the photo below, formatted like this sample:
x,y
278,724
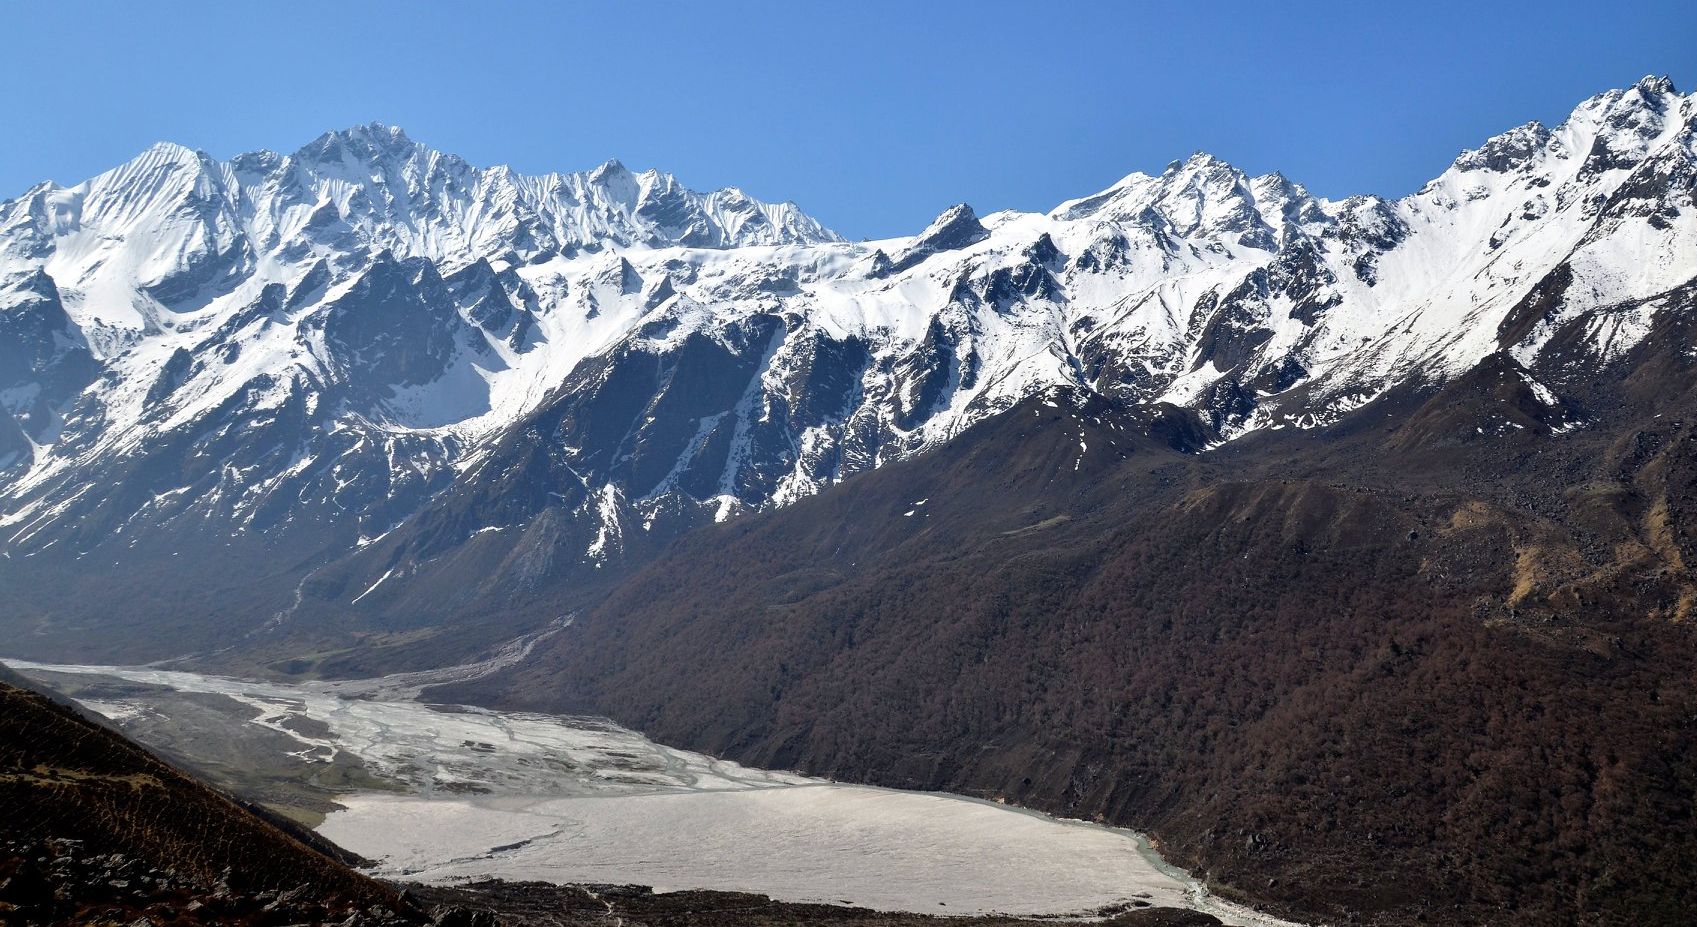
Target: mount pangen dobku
x,y
1342,544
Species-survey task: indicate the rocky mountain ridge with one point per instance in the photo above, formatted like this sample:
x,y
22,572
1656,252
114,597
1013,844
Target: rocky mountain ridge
x,y
376,381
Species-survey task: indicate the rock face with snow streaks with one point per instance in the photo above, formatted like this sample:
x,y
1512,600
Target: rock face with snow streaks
x,y
395,378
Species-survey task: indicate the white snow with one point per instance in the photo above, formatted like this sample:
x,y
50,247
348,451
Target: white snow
x,y
373,587
1141,268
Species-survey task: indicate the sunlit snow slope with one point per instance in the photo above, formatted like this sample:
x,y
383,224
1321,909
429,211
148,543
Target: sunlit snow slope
x,y
368,360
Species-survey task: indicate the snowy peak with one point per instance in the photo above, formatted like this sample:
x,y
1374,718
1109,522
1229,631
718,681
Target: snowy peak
x,y
368,338
1650,84
373,186
370,143
1509,151
1204,199
955,228
611,173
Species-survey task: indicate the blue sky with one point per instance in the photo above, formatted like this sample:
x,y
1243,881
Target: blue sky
x,y
873,116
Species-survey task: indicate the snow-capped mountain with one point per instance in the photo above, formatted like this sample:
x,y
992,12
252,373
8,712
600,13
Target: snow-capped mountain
x,y
385,361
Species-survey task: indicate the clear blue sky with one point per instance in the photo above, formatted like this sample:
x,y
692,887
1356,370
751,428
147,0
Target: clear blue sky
x,y
873,116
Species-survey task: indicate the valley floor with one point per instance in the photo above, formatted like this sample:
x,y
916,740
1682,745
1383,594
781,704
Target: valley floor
x,y
450,795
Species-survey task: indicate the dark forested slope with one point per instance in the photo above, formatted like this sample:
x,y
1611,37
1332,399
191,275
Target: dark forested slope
x,y
1431,664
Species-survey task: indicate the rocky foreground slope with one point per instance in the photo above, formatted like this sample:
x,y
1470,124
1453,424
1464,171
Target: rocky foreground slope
x,y
94,829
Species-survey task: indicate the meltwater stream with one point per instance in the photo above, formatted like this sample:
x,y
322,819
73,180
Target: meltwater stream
x,y
456,793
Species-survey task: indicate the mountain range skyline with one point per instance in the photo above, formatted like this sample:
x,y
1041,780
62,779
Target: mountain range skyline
x,y
389,358
1337,543
876,129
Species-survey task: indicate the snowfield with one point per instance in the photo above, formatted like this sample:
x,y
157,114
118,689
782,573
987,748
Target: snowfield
x,y
487,794
343,340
